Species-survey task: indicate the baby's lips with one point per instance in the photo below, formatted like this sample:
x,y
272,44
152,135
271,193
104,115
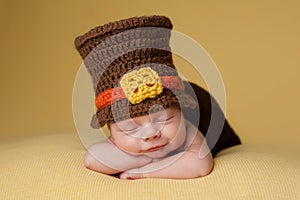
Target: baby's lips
x,y
156,148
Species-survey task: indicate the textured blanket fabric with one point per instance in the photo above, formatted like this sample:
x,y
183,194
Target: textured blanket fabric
x,y
51,167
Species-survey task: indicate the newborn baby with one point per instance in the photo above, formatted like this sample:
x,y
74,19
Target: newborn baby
x,y
158,145
140,96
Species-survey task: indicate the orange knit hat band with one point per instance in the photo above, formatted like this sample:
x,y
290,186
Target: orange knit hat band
x,y
112,95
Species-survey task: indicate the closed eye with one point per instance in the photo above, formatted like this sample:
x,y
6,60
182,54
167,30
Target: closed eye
x,y
131,129
170,118
165,120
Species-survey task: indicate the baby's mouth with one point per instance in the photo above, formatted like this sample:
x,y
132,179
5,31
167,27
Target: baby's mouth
x,y
156,148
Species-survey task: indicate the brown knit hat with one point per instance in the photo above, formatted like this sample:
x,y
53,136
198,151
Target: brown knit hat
x,y
132,70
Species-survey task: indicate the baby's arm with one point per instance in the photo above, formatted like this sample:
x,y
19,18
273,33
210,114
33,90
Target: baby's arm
x,y
106,158
187,164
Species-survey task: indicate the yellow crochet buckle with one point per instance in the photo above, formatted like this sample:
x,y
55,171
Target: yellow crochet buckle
x,y
141,84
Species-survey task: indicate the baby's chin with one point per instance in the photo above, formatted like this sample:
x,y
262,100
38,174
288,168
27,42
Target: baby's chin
x,y
156,154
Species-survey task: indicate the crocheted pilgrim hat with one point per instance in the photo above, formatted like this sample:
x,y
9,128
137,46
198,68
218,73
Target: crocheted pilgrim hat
x,y
131,67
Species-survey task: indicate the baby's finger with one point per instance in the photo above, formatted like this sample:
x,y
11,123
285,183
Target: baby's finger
x,y
130,176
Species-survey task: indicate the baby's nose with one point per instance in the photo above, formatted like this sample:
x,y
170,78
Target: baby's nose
x,y
153,137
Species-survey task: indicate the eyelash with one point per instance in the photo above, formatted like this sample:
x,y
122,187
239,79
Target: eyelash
x,y
133,129
162,120
168,119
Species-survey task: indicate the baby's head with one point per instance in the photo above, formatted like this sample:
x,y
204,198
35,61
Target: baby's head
x,y
154,135
137,89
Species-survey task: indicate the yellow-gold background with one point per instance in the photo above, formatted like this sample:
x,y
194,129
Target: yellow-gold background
x,y
255,45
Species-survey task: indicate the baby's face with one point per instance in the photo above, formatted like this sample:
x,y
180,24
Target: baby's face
x,y
154,135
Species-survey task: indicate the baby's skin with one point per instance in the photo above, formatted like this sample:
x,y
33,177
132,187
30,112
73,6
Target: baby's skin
x,y
158,145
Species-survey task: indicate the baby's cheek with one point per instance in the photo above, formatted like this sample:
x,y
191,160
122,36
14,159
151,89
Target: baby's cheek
x,y
173,132
176,136
129,144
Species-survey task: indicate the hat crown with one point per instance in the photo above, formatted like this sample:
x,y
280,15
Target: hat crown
x,y
109,51
117,48
86,42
